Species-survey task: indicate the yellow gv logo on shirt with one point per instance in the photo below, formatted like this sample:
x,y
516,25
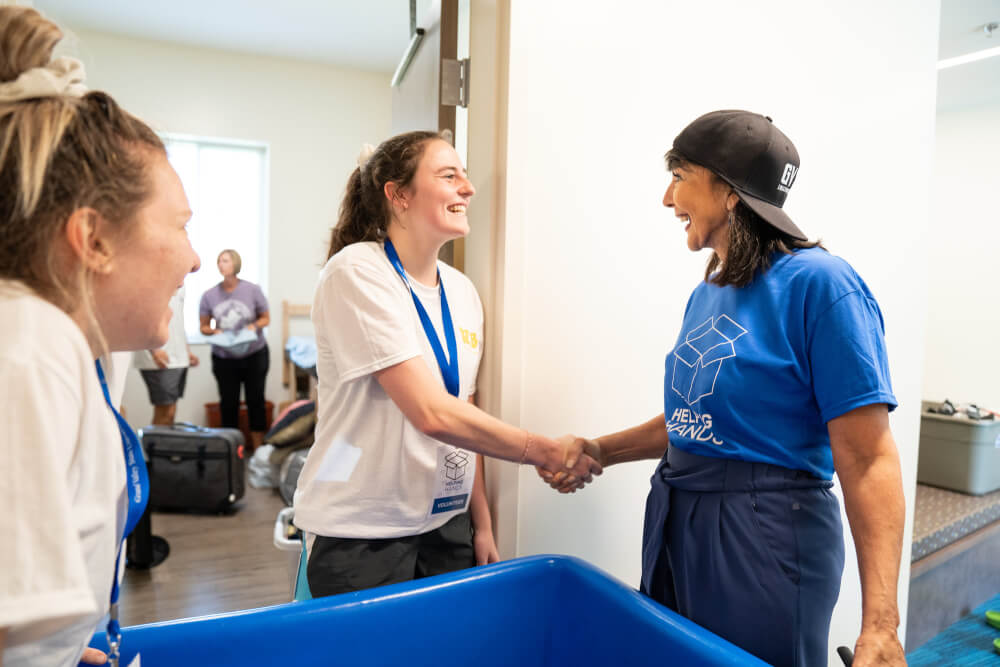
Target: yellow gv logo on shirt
x,y
470,338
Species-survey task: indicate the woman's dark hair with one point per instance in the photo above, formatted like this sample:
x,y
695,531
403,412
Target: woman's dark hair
x,y
365,212
752,241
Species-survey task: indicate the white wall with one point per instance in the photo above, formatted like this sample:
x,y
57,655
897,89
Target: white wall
x,y
313,118
595,273
963,359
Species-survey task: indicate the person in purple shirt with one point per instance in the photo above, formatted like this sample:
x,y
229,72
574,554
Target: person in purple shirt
x,y
232,305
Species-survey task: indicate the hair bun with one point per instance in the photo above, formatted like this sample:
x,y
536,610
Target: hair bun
x,y
62,76
26,41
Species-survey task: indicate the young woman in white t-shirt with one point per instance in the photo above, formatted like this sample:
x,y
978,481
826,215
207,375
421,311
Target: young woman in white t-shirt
x,y
92,246
393,488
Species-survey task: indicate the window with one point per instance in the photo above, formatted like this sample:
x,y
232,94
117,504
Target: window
x,y
226,185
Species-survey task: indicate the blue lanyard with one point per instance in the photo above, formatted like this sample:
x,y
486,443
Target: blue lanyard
x,y
449,365
137,486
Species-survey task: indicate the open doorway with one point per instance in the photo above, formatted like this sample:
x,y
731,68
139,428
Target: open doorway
x,y
956,534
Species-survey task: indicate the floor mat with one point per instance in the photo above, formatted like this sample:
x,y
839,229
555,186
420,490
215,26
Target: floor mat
x,y
967,642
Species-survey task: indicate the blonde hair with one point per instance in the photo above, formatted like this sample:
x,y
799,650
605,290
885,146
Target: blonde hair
x,y
235,257
58,154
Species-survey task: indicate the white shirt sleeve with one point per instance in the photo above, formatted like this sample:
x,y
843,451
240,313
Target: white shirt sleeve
x,y
43,574
365,320
479,333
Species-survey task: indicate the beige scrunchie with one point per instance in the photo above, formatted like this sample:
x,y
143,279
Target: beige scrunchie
x,y
366,152
62,76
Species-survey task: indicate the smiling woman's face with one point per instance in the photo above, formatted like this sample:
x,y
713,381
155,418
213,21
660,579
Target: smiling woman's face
x,y
702,201
131,300
439,194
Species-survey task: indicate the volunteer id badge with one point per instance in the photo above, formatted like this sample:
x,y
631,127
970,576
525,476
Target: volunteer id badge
x,y
455,475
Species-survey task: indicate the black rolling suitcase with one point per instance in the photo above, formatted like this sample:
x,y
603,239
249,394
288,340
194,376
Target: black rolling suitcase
x,y
194,467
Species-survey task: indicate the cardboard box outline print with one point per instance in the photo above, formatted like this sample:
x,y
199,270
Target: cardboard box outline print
x,y
698,360
455,463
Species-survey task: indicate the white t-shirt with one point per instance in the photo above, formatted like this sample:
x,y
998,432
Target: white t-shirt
x,y
371,474
62,485
176,346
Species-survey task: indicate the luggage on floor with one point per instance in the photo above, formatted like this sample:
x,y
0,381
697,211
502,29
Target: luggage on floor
x,y
261,473
194,467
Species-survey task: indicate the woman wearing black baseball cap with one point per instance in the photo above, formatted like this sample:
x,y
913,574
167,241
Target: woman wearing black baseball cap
x,y
779,378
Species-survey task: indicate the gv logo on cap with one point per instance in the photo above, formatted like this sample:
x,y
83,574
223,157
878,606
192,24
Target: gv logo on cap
x,y
788,177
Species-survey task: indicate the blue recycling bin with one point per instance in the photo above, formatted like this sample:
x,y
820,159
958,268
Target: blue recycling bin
x,y
535,611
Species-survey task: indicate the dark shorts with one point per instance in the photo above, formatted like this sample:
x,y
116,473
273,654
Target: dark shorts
x,y
165,385
341,565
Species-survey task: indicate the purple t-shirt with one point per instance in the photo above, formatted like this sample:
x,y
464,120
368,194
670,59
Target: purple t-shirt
x,y
233,311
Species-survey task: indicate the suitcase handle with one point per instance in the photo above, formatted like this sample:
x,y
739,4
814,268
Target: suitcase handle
x,y
187,426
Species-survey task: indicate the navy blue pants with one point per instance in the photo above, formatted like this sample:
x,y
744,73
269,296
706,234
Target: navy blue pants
x,y
751,551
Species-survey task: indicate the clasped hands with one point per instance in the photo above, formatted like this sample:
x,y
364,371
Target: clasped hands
x,y
582,461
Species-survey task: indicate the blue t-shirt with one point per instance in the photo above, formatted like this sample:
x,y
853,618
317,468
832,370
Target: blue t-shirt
x,y
758,371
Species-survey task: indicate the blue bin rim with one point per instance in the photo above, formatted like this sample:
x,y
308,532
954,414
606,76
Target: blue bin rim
x,y
561,566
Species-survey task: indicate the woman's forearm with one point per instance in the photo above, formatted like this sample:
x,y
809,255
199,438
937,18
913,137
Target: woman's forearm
x,y
438,414
873,502
867,462
463,425
205,325
648,440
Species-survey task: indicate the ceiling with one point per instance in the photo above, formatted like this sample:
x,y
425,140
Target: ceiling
x,y
962,32
373,34
365,34
962,24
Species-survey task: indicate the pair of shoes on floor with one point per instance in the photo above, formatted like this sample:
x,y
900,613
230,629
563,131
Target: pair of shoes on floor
x,y
993,618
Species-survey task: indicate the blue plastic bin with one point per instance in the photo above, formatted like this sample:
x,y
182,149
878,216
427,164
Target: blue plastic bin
x,y
541,610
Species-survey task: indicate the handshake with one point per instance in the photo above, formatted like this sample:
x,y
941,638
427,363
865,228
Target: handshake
x,y
581,461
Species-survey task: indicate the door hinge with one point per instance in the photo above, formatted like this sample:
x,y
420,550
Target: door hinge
x,y
455,82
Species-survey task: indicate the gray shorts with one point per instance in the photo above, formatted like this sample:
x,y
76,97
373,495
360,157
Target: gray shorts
x,y
166,385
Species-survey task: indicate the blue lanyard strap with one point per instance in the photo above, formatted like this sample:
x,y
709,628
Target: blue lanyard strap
x,y
137,486
449,364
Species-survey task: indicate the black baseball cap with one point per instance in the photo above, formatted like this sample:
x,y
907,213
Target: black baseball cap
x,y
747,151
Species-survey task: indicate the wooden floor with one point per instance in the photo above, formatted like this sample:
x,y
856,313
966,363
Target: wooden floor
x,y
216,564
